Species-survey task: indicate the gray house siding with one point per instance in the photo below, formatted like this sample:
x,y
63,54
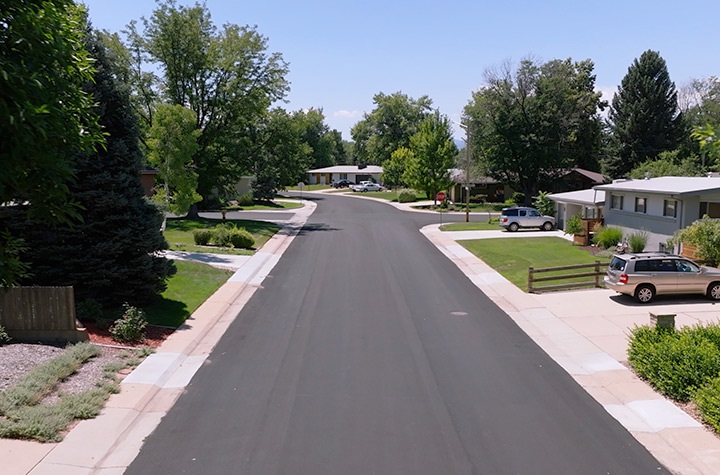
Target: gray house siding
x,y
659,228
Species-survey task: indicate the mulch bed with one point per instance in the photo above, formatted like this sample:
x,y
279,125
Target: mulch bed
x,y
154,336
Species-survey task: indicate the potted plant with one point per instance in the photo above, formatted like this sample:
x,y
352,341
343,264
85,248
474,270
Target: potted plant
x,y
574,226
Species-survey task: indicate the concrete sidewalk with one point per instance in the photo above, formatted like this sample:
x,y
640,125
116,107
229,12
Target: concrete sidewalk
x,y
108,443
585,332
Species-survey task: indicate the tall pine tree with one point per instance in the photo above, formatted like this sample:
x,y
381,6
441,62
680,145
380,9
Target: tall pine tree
x,y
112,254
644,116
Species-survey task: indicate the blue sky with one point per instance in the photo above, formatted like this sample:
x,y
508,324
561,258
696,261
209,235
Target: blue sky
x,y
340,54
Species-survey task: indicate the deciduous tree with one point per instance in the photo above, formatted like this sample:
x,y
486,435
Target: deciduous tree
x,y
434,153
172,144
389,126
45,115
394,169
284,157
530,126
226,77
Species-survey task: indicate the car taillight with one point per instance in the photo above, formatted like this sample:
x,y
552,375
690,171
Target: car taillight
x,y
623,279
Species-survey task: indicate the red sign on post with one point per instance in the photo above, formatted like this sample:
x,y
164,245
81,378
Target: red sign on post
x,y
440,196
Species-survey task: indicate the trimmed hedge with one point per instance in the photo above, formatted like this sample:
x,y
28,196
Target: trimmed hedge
x,y
241,239
202,237
224,235
683,364
406,196
676,363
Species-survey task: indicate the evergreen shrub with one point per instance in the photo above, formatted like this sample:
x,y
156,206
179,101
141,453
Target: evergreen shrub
x,y
88,310
202,237
221,235
245,200
406,196
241,239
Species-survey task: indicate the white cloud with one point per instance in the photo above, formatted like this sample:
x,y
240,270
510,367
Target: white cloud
x,y
343,114
607,94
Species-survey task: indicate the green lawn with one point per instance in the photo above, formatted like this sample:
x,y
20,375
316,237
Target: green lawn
x,y
511,257
309,187
472,226
187,290
272,205
179,236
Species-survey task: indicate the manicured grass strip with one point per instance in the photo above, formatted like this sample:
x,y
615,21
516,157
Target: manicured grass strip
x,y
187,290
273,205
511,257
309,187
22,416
472,226
178,234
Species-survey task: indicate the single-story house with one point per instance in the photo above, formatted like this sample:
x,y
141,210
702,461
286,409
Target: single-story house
x,y
660,206
329,175
589,203
578,179
494,190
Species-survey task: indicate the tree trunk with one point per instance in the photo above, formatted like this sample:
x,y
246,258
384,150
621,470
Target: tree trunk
x,y
193,212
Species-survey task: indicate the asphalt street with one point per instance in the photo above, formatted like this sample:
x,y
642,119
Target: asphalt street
x,y
367,351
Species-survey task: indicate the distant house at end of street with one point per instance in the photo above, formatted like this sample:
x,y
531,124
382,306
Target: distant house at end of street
x,y
354,173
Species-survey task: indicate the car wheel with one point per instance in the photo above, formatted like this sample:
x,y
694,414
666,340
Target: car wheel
x,y
547,226
644,293
713,291
364,191
513,227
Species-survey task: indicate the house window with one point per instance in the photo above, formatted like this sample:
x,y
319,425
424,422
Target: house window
x,y
617,202
640,205
670,208
343,176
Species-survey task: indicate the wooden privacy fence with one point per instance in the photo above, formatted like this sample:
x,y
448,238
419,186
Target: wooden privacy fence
x,y
581,275
40,314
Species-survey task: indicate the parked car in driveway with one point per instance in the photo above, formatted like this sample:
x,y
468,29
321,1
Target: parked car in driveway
x,y
368,186
518,217
343,184
647,274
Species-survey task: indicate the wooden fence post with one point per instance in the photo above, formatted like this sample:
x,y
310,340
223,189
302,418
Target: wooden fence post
x,y
531,271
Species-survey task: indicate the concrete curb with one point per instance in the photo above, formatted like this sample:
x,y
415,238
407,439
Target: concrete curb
x,y
111,441
580,343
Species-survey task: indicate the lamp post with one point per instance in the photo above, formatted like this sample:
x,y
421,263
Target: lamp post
x,y
467,170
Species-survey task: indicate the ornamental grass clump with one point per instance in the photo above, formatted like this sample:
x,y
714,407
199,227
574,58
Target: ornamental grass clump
x,y
607,237
638,240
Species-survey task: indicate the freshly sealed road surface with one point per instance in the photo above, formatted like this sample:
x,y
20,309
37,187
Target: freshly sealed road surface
x,y
368,352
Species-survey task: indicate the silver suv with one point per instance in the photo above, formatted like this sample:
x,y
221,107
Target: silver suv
x,y
518,217
645,275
